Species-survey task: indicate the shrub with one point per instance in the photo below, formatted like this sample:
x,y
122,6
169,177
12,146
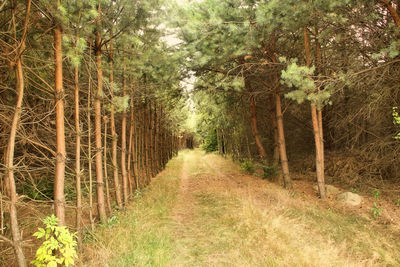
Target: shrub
x,y
269,171
376,211
247,165
58,247
210,142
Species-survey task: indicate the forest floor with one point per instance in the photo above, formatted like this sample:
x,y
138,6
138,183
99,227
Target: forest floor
x,y
203,211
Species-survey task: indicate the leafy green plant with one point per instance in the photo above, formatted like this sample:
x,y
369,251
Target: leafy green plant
x,y
376,211
58,247
247,165
397,202
376,194
269,171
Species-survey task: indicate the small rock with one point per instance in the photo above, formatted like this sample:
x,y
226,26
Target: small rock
x,y
350,198
330,189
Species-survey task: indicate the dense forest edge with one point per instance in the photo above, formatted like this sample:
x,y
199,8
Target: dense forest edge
x,y
98,96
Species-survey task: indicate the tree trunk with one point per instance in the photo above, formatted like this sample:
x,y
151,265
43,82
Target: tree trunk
x,y
146,143
97,123
105,167
287,181
254,128
123,145
272,112
154,157
131,170
114,137
59,198
89,111
9,158
319,158
78,159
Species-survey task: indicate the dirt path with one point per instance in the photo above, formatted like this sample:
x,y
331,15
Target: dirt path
x,y
228,218
203,211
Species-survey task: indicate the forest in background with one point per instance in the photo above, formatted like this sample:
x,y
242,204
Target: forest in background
x,y
93,104
299,86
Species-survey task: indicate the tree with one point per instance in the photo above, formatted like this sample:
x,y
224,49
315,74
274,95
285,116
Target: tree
x,y
9,164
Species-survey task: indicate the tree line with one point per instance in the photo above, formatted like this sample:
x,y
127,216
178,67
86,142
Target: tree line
x,y
280,80
90,101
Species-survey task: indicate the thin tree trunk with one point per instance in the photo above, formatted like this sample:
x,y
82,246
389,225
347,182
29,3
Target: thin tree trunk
x,y
154,160
287,181
105,166
272,112
89,111
146,144
130,149
114,136
97,122
254,127
319,158
16,235
123,145
318,62
59,198
260,147
9,164
78,159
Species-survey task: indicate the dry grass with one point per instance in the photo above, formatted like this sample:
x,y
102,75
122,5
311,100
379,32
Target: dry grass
x,y
226,218
142,236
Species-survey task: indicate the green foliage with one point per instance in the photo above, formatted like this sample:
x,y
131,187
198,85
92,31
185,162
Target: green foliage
x,y
247,165
376,211
210,142
300,77
121,103
269,170
111,222
397,202
396,120
58,247
42,189
376,194
391,52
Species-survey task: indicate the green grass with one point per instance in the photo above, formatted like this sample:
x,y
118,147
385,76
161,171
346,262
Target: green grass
x,y
221,225
143,235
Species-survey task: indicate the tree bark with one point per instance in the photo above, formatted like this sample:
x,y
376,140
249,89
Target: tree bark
x,y
108,201
287,181
273,118
9,158
78,158
254,127
59,198
114,136
131,174
123,145
319,157
97,123
89,120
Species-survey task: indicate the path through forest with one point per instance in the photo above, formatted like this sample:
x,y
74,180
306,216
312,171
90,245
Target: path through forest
x,y
203,211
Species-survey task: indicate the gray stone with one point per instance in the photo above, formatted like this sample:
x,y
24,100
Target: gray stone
x,y
330,189
350,198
